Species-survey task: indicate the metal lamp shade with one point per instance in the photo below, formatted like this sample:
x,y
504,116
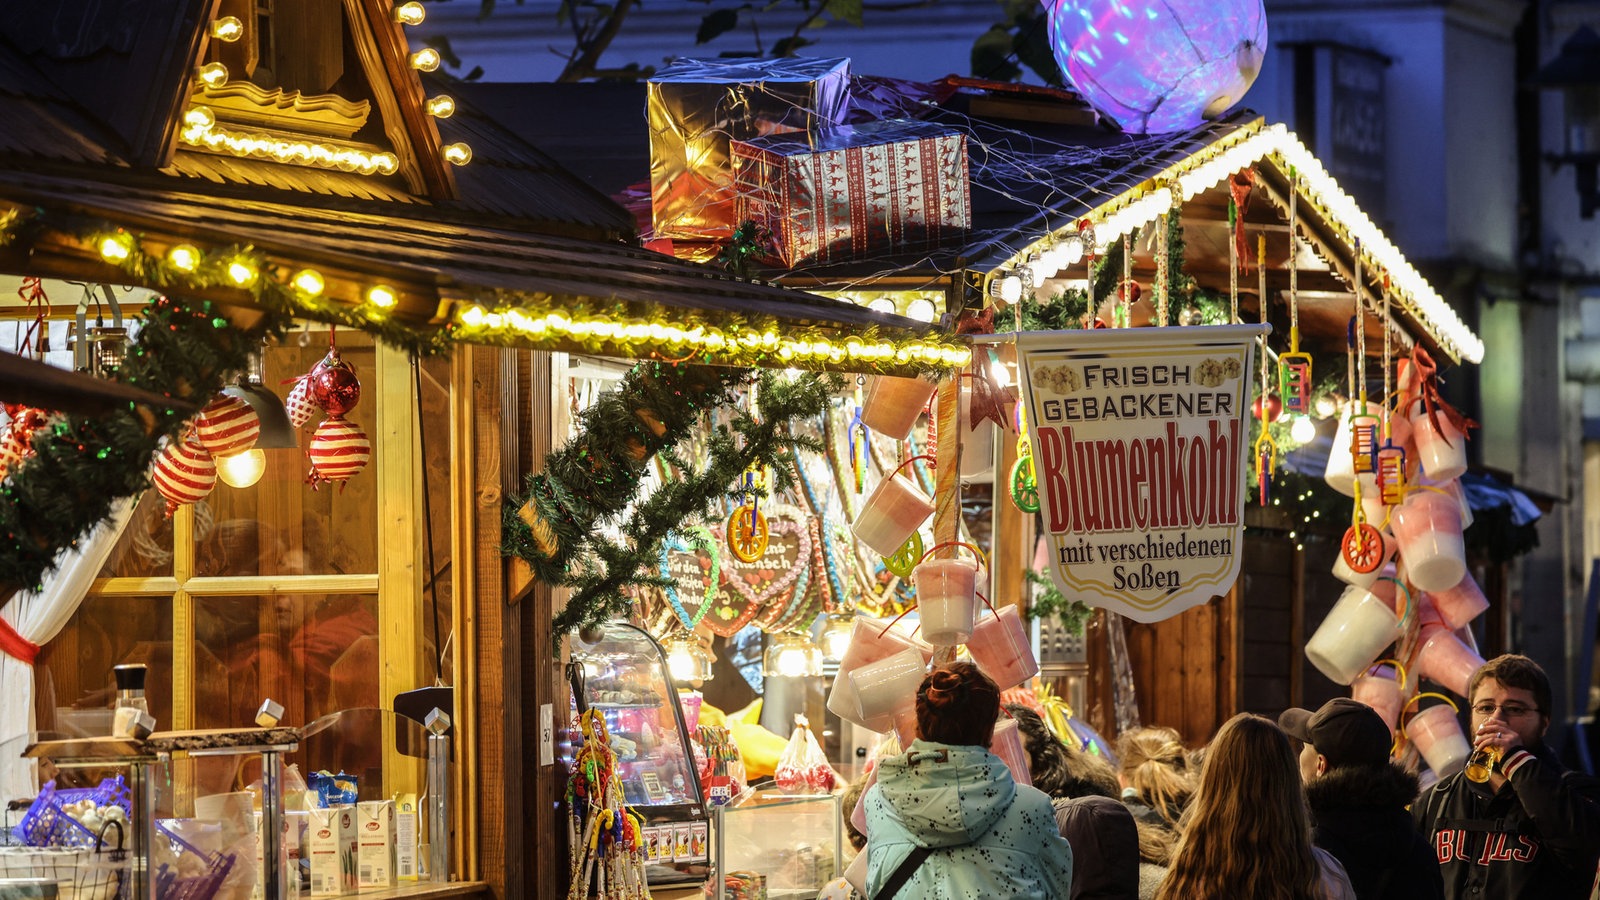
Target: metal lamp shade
x,y
276,432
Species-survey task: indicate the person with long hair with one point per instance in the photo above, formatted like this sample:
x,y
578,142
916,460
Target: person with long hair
x,y
947,820
1247,832
1154,770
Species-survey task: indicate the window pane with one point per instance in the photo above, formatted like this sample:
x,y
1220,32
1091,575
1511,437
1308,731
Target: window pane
x,y
145,548
73,671
280,525
313,653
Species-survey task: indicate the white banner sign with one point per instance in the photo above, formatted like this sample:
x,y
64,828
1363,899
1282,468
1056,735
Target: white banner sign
x,y
1139,454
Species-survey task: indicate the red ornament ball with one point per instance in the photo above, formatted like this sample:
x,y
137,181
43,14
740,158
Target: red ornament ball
x,y
227,425
338,450
184,473
334,385
1274,407
299,404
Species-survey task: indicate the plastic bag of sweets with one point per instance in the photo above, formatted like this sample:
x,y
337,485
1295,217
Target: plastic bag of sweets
x,y
803,768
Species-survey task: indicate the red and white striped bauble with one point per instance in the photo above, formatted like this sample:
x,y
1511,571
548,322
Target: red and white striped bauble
x,y
16,438
227,425
184,473
337,451
299,404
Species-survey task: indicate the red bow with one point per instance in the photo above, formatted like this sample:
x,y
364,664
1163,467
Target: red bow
x,y
1239,186
1427,377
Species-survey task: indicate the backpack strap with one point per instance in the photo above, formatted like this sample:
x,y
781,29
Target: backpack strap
x,y
902,873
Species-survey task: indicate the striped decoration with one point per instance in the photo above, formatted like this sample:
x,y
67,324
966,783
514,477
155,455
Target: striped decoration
x,y
299,404
184,473
227,425
338,450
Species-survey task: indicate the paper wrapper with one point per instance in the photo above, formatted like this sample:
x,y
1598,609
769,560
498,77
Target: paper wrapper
x,y
696,107
849,192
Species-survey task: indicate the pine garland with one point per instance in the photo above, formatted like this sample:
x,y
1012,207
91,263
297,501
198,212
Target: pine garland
x,y
593,478
81,465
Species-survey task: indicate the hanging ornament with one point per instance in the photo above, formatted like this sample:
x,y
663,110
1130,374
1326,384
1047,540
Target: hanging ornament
x,y
1294,367
184,473
16,439
334,385
338,450
299,404
1266,449
902,561
227,425
1390,460
1024,479
748,533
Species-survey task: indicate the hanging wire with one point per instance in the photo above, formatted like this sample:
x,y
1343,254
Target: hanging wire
x,y
427,520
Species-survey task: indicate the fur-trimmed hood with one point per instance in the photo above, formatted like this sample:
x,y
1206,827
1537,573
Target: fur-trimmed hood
x,y
1356,787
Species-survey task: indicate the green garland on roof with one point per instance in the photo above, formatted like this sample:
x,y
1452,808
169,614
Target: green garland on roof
x,y
81,465
592,479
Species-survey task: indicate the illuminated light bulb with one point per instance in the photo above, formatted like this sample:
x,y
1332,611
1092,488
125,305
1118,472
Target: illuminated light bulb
x,y
410,13
185,257
458,153
240,470
1007,288
115,248
382,296
309,282
681,662
227,29
473,316
1303,431
213,74
199,118
241,272
425,60
882,304
921,309
442,106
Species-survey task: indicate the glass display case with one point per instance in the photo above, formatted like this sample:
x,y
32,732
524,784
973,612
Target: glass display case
x,y
624,676
773,845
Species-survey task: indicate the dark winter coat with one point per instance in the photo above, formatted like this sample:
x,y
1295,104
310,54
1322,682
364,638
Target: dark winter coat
x,y
1538,837
1360,817
1105,847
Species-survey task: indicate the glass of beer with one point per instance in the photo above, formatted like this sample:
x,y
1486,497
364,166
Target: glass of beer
x,y
1483,761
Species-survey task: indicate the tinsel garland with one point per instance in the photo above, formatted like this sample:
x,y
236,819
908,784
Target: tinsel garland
x,y
593,478
82,464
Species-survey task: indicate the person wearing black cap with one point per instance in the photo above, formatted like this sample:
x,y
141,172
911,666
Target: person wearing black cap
x,y
1358,801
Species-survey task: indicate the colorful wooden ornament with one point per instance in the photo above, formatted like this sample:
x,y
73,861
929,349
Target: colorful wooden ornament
x,y
184,473
748,532
1024,479
906,558
338,450
227,425
1362,548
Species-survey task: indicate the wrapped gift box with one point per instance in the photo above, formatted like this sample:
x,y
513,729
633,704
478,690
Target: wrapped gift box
x,y
852,191
695,108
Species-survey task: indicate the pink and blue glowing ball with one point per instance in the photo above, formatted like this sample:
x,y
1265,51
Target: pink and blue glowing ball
x,y
1157,66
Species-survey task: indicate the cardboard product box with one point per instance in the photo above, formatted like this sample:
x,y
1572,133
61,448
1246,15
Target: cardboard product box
x,y
850,192
696,107
331,843
407,837
375,844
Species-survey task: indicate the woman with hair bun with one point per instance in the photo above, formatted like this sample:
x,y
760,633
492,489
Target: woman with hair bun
x,y
946,820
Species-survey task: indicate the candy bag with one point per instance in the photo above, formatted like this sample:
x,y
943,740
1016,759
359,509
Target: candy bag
x,y
803,767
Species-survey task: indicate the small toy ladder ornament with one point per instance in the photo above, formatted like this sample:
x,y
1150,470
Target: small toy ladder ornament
x,y
1391,458
1363,425
1266,447
1294,367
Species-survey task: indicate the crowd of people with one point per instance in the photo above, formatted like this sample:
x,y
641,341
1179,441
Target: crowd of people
x,y
1309,807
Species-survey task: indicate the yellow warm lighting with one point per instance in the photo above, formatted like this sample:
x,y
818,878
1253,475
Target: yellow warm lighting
x,y
115,248
382,296
185,257
242,273
425,60
309,282
227,29
457,153
199,118
241,470
410,13
303,153
212,74
442,106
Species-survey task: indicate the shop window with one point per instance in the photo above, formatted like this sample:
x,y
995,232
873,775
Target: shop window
x,y
72,673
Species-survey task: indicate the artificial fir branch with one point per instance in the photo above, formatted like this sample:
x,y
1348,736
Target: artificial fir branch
x,y
1049,601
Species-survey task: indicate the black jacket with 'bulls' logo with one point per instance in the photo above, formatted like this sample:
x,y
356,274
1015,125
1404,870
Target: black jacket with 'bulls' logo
x,y
1538,837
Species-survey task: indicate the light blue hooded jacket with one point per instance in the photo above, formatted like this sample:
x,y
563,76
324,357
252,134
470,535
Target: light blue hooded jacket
x,y
991,837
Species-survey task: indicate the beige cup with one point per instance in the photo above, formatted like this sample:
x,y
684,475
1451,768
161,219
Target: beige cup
x,y
1438,737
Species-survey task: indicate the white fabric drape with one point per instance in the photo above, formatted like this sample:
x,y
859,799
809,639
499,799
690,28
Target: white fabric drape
x,y
39,616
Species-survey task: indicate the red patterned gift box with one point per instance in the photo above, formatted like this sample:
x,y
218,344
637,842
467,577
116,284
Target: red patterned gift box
x,y
846,193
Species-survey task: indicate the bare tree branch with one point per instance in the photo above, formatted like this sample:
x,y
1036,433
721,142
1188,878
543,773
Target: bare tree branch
x,y
584,66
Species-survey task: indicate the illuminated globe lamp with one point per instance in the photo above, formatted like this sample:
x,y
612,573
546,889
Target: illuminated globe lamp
x,y
1158,66
835,637
682,664
791,656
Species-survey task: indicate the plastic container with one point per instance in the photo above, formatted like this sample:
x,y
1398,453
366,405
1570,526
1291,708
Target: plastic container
x,y
895,509
1000,647
1007,744
1356,631
1442,657
1461,604
1343,572
691,701
1437,735
1381,688
893,404
1442,450
1341,472
888,687
947,599
869,643
1427,528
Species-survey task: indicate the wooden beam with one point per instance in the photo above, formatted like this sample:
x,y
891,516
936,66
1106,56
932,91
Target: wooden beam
x,y
498,813
402,665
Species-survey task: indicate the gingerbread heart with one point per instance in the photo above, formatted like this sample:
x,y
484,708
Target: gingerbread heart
x,y
692,562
